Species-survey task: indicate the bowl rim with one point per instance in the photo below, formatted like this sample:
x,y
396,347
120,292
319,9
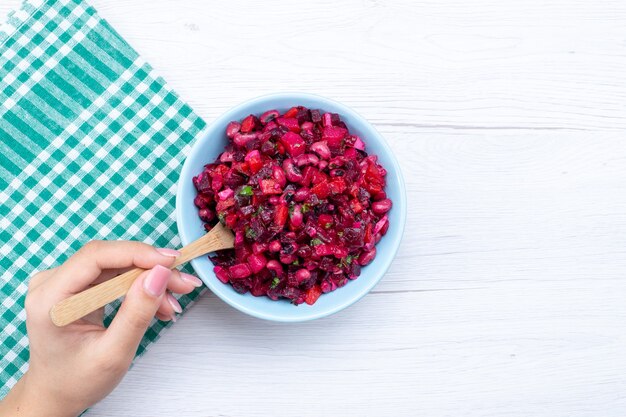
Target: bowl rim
x,y
385,262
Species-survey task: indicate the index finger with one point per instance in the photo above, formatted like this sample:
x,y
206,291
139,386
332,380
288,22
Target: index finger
x,y
86,265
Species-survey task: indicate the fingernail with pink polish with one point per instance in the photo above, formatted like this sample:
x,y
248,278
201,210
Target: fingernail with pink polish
x,y
173,253
193,280
174,303
156,280
173,318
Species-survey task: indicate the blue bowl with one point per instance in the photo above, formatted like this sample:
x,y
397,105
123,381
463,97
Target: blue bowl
x,y
190,227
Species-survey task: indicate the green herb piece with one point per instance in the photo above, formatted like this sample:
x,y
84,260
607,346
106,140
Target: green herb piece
x,y
250,233
306,207
315,242
340,234
345,262
246,190
220,216
275,282
296,262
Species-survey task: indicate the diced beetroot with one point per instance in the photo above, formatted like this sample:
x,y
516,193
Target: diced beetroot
x,y
202,182
293,143
225,194
221,273
326,286
268,148
358,144
259,248
291,112
269,187
239,271
305,251
217,182
316,116
367,237
249,124
372,174
239,238
334,135
287,259
373,187
253,158
313,294
270,126
381,195
224,204
206,214
337,186
230,220
311,231
340,252
324,249
318,176
325,221
327,119
226,157
302,194
280,215
258,287
290,123
204,200
321,190
256,262
356,206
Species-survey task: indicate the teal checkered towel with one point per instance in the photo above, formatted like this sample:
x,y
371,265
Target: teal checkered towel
x,y
91,143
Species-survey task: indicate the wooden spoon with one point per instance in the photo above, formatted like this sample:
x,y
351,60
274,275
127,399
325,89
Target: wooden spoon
x,y
83,303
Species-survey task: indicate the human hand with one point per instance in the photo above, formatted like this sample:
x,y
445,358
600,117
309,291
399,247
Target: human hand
x,y
73,367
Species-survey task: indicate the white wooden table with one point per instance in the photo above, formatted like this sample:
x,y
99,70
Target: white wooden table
x,y
508,296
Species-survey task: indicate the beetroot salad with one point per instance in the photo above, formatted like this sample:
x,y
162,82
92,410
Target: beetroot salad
x,y
305,201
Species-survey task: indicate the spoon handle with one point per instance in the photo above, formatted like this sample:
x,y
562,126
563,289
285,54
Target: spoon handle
x,y
85,302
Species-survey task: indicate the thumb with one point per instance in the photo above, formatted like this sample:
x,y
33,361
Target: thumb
x,y
138,310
